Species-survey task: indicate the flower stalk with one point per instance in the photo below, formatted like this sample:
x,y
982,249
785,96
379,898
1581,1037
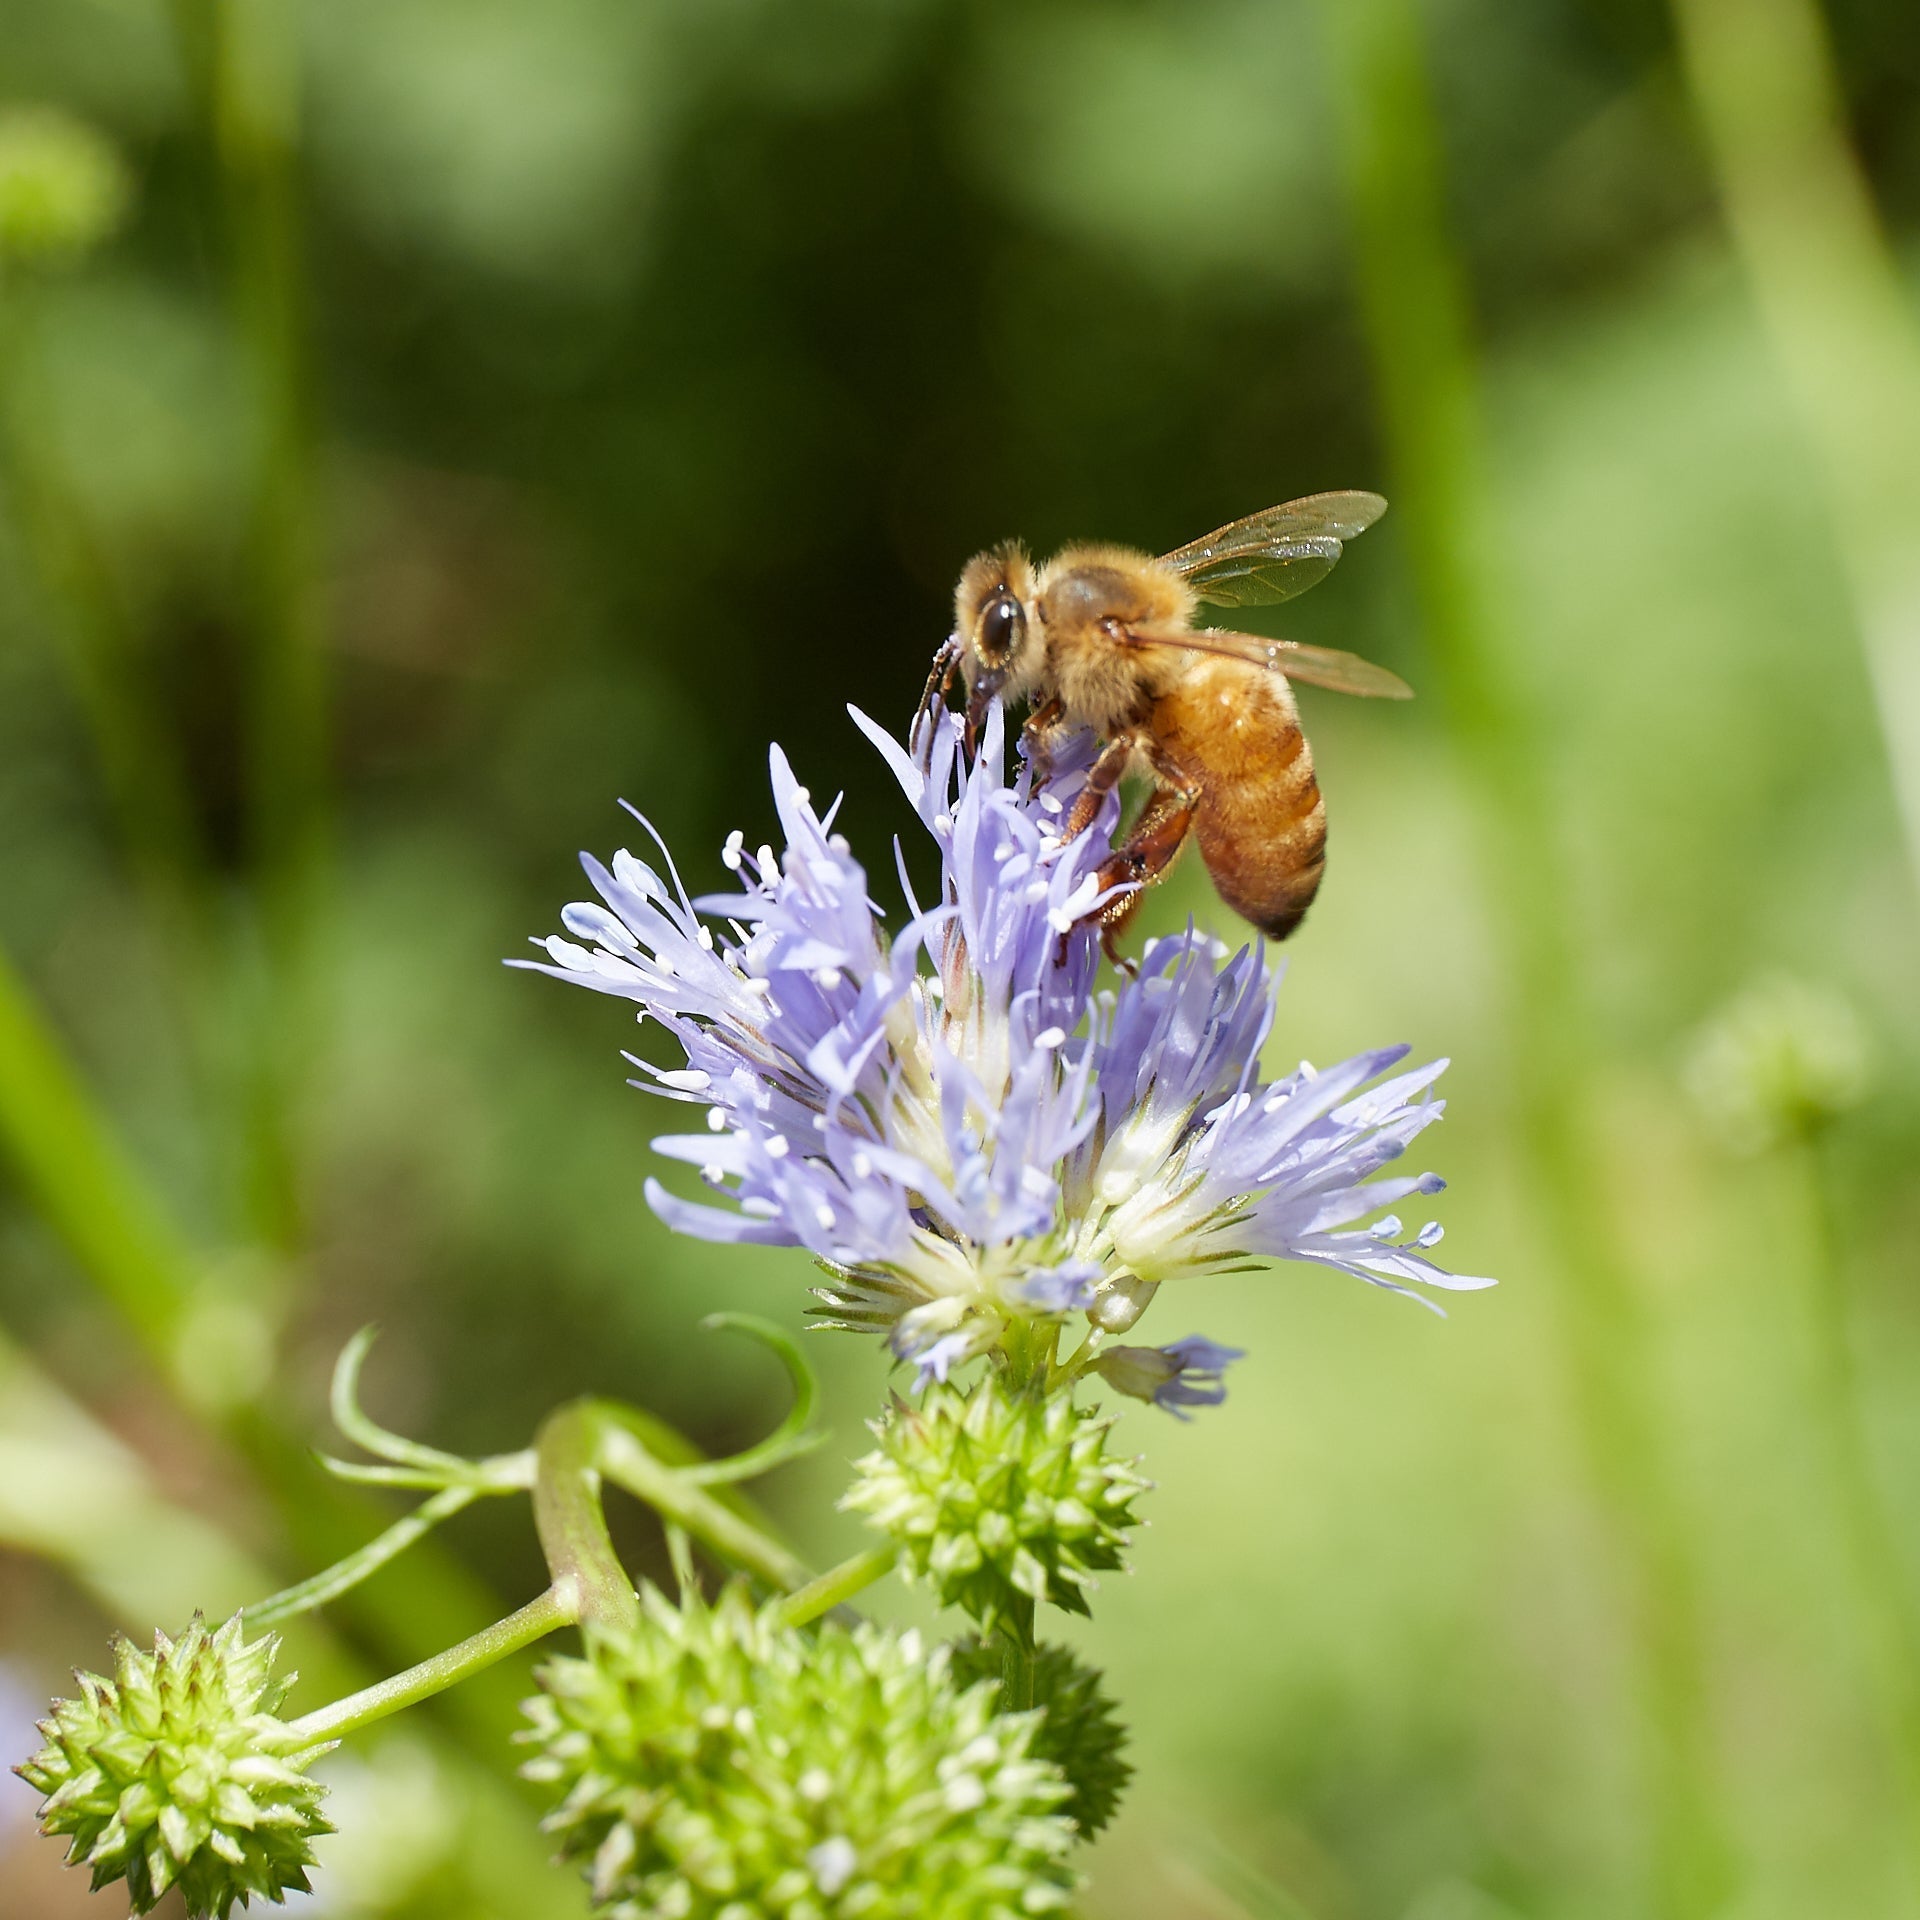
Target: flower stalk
x,y
587,1574
554,1608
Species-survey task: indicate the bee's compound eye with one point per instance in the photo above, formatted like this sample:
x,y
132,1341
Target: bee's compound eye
x,y
1002,626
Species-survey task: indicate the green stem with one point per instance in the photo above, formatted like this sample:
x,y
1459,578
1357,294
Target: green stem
x,y
1767,93
1415,309
572,1524
1886,1597
1016,1657
836,1585
241,60
345,1574
623,1456
487,1647
143,774
84,1186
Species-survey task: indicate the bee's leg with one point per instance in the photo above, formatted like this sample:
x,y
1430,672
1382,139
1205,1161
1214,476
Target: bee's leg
x,y
940,680
1037,737
1102,777
1146,854
934,698
982,696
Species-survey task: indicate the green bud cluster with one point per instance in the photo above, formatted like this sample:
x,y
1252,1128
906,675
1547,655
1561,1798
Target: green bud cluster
x,y
62,187
176,1773
1079,1732
1778,1063
716,1764
997,1498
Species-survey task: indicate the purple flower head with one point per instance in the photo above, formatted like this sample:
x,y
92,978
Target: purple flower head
x,y
958,1127
1184,1373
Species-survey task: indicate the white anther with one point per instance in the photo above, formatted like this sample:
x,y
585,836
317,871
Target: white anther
x,y
716,1119
1049,1037
777,1147
730,853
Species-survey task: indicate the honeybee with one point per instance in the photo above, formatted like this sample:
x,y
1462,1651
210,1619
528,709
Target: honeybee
x,y
1103,637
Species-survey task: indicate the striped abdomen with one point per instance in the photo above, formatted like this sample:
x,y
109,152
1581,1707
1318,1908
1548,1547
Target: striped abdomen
x,y
1231,731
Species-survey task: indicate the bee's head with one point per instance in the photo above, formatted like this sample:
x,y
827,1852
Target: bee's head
x,y
1001,646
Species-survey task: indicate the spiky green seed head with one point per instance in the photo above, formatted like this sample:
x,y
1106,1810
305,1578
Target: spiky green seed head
x,y
62,187
1079,1731
715,1764
995,1498
176,1772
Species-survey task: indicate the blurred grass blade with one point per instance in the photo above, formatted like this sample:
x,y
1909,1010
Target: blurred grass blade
x,y
144,778
1842,323
241,60
1415,310
73,1493
1892,1621
82,1184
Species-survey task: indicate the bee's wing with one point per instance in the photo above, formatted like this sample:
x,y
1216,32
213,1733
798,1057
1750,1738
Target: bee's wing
x,y
1276,554
1318,666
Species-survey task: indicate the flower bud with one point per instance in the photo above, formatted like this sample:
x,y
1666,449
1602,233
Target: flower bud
x,y
715,1763
1184,1373
176,1772
62,187
1780,1060
993,1497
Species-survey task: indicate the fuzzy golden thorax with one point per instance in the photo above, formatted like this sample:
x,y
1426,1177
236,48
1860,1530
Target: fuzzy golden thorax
x,y
1097,604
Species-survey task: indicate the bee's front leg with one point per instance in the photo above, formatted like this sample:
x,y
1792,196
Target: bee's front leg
x,y
940,680
933,699
1037,738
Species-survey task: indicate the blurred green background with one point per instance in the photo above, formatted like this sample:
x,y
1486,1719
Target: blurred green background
x,y
423,422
